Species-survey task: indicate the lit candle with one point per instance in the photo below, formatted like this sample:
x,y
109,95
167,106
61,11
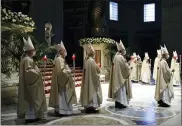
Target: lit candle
x,y
45,58
73,57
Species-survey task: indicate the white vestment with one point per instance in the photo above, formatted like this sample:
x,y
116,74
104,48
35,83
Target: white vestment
x,y
176,80
91,92
121,96
62,95
31,113
166,96
164,87
134,73
121,80
156,63
64,107
145,72
94,103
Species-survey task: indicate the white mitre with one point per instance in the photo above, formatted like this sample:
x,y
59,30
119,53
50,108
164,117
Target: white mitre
x,y
134,54
120,46
146,55
158,52
28,45
164,50
175,54
60,46
90,49
138,56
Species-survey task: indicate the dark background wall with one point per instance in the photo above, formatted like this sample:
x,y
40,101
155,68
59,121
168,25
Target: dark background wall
x,y
41,11
139,36
171,33
70,20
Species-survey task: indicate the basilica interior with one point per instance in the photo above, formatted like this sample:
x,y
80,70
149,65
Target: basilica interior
x,y
142,25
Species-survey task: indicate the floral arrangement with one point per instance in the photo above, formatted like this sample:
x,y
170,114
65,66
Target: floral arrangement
x,y
97,41
16,18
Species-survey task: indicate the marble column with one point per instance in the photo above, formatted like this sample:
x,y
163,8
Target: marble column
x,y
171,28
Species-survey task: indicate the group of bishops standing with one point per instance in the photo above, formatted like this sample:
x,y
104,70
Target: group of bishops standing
x,y
141,71
32,104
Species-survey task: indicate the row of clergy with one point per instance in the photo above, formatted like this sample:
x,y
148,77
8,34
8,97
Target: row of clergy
x,y
32,105
141,71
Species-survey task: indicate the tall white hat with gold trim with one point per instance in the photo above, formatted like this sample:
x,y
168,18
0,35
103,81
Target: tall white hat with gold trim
x,y
28,45
120,46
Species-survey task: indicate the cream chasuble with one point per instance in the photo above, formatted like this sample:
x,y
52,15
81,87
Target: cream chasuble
x,y
164,88
139,68
91,93
156,63
134,72
110,93
62,95
31,94
176,80
145,72
121,85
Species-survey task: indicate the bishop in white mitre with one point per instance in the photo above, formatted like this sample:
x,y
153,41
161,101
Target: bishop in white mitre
x,y
139,67
156,63
62,95
133,65
91,93
31,95
111,79
121,90
164,87
145,70
176,66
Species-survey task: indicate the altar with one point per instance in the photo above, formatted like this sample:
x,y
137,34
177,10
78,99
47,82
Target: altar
x,y
102,54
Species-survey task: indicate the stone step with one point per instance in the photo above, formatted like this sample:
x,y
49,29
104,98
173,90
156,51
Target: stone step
x,y
48,74
78,78
77,71
48,87
47,66
49,78
46,70
76,68
51,66
50,70
48,63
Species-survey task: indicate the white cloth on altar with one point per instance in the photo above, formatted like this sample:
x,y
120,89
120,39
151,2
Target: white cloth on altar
x,y
64,107
121,96
94,103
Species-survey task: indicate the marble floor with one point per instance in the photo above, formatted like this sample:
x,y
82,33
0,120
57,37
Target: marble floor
x,y
143,110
